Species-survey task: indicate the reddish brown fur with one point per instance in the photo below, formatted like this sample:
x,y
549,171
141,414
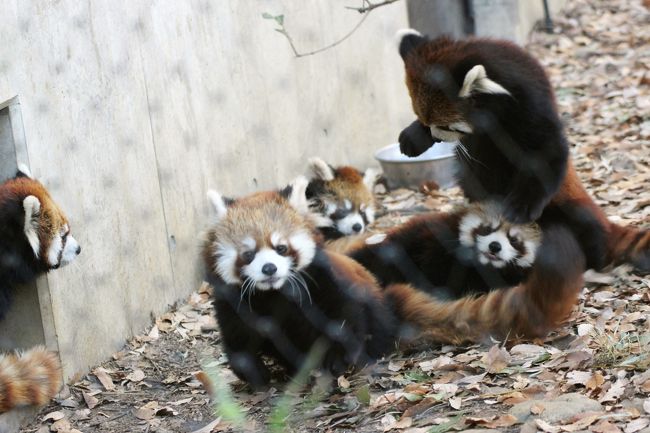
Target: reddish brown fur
x,y
433,106
529,310
363,281
258,216
625,244
347,244
348,184
51,217
29,379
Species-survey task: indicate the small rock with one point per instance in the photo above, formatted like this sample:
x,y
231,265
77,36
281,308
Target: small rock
x,y
557,409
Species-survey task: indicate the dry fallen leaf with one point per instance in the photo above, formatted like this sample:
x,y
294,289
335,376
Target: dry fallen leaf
x,y
61,426
102,375
492,422
396,365
90,399
209,427
343,382
583,421
614,392
544,426
605,426
136,376
445,388
537,408
147,412
596,381
636,425
54,416
496,359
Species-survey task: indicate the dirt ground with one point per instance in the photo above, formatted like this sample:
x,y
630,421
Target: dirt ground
x,y
591,375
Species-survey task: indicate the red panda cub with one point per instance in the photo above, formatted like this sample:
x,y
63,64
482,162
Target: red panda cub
x,y
342,197
34,239
277,292
477,275
496,100
527,310
472,250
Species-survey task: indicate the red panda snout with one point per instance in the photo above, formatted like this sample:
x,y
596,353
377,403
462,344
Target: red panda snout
x,y
268,270
62,249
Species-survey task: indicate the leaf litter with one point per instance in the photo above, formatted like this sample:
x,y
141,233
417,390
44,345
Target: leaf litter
x,y
591,374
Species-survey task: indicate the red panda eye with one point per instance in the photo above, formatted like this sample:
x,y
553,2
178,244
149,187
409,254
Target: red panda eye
x,y
248,256
281,249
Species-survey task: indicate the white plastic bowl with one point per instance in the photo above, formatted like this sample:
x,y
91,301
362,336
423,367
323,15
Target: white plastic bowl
x,y
437,164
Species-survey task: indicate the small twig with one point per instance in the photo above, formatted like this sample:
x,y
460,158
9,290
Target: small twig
x,y
365,10
283,31
371,6
155,366
123,414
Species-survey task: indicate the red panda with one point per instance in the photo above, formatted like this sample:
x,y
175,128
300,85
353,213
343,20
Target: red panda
x,y
476,274
451,255
34,234
277,292
497,101
528,310
342,197
34,239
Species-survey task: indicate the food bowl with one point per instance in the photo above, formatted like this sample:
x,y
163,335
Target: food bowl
x,y
437,164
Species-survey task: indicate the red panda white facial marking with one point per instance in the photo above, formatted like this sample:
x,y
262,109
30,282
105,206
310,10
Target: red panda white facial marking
x,y
262,240
497,242
46,228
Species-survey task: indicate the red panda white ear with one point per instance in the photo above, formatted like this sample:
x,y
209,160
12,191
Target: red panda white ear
x,y
407,39
370,178
298,195
321,169
477,81
23,171
32,207
218,204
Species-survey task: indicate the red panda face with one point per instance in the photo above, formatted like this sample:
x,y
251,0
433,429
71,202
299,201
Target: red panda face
x,y
495,241
442,81
263,241
342,196
45,226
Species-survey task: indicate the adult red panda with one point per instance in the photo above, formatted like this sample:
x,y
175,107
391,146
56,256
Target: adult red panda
x,y
277,292
34,239
342,197
497,101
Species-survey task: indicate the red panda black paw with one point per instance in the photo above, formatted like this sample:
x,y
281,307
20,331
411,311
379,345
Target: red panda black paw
x,y
520,211
415,139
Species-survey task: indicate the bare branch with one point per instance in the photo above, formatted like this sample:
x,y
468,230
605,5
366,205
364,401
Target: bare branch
x,y
296,53
365,10
370,6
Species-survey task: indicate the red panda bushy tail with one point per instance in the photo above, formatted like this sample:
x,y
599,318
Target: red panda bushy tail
x,y
30,379
529,310
629,245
